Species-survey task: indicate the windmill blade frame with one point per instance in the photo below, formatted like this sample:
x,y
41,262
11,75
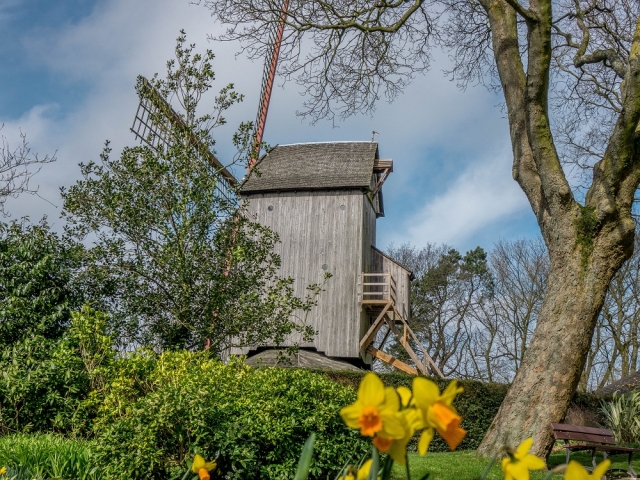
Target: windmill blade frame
x,y
153,124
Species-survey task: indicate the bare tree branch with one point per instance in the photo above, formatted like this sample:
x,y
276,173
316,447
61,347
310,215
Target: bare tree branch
x,y
17,166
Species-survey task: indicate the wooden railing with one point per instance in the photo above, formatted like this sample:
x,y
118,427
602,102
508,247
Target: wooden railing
x,y
377,287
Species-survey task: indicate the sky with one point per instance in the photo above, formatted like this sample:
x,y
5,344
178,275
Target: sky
x,y
67,81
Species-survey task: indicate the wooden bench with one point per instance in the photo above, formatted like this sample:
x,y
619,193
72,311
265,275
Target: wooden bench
x,y
591,439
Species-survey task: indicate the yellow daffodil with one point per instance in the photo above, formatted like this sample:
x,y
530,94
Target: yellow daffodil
x,y
375,411
517,466
361,474
410,420
202,467
3,470
405,395
575,471
398,449
436,411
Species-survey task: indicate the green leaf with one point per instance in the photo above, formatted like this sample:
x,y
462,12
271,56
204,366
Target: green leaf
x,y
305,458
375,465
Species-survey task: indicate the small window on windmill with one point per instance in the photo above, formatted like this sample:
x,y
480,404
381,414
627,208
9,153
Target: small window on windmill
x,y
152,125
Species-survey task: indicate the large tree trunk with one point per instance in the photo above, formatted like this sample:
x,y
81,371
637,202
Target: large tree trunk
x,y
587,244
547,379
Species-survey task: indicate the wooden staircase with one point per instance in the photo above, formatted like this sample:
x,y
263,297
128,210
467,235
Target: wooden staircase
x,y
378,294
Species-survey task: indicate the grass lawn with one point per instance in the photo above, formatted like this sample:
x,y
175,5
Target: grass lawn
x,y
466,466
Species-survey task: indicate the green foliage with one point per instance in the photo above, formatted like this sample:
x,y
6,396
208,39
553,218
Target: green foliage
x,y
157,411
622,416
187,265
46,457
36,290
45,382
42,383
88,331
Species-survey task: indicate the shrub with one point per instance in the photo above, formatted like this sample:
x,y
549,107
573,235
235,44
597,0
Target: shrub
x,y
622,416
157,411
47,456
45,382
42,383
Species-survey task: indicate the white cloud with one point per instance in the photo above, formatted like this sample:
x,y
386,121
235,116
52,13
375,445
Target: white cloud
x,y
482,195
102,55
104,52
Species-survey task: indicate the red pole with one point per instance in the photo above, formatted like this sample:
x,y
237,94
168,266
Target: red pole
x,y
266,94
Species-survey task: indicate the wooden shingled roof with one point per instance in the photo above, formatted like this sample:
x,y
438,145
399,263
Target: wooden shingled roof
x,y
313,166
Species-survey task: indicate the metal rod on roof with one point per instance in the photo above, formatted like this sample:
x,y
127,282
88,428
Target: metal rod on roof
x,y
267,86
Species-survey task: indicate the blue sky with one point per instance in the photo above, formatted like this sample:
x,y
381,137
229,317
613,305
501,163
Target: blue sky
x,y
68,76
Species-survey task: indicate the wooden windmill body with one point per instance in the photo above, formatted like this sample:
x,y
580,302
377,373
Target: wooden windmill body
x,y
323,200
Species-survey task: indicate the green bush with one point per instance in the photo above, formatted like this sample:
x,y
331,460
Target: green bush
x,y
45,382
42,384
155,412
47,456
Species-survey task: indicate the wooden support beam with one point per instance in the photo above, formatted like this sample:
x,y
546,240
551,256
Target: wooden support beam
x,y
427,358
394,362
406,346
381,179
375,326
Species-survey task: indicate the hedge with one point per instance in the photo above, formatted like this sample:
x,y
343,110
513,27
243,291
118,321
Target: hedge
x,y
156,412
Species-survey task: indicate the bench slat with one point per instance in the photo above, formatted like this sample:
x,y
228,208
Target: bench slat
x,y
600,448
580,429
585,437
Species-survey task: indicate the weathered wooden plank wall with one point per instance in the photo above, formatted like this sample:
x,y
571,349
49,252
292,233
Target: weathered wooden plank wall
x,y
383,264
368,240
316,229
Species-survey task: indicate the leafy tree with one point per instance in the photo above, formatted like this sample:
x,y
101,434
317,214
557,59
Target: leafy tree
x,y
37,288
570,74
187,265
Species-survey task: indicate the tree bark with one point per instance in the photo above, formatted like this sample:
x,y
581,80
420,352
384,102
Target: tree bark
x,y
547,379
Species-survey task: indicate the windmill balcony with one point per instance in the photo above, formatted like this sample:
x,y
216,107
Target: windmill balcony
x,y
378,296
377,288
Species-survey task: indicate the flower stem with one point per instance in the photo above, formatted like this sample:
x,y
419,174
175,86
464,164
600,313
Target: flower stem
x,y
488,467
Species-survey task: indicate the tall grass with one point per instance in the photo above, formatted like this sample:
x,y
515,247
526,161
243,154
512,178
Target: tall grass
x,y
46,457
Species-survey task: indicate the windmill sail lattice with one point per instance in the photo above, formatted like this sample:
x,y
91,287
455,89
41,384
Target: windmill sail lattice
x,y
153,125
268,77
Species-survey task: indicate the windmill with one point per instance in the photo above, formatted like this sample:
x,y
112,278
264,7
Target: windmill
x,y
323,200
